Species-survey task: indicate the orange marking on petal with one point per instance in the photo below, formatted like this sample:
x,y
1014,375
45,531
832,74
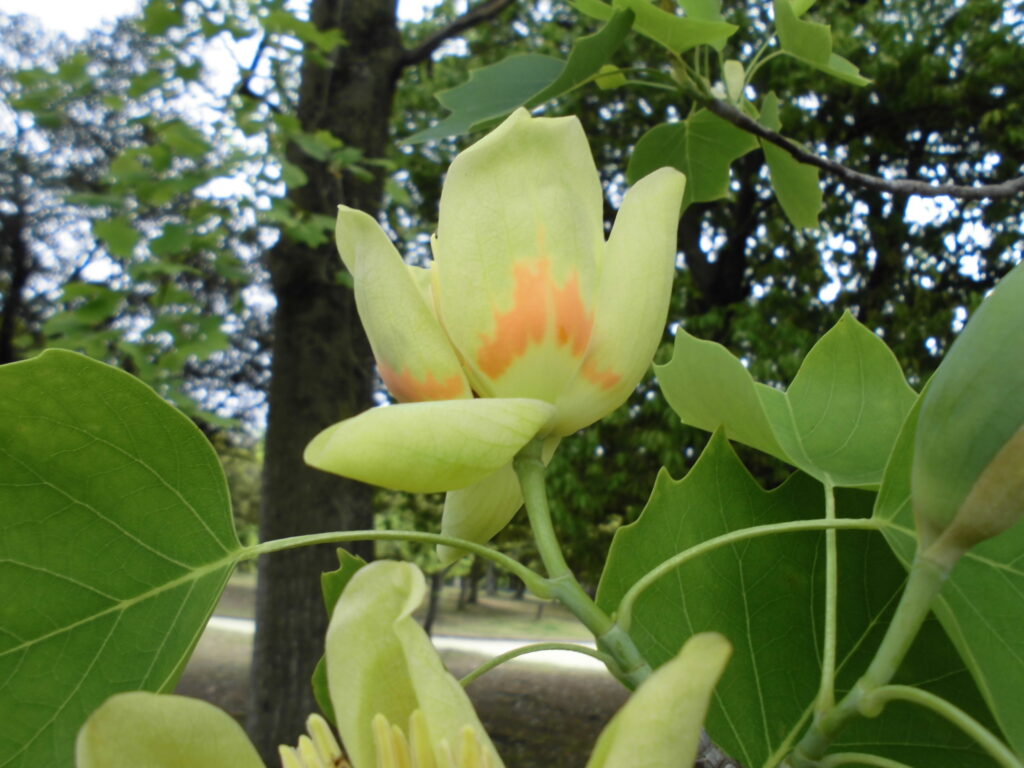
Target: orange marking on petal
x,y
525,322
406,388
606,379
536,297
574,322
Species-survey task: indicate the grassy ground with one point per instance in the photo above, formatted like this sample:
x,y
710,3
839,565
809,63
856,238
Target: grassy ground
x,y
537,716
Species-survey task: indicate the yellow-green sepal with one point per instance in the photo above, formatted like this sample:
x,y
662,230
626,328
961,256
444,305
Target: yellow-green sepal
x,y
380,662
632,304
967,474
478,512
413,354
154,730
659,726
429,447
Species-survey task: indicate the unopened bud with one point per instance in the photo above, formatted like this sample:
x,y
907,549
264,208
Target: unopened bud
x,y
968,471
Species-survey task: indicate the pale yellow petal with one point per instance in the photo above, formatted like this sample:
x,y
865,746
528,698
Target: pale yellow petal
x,y
518,243
659,726
381,662
413,354
636,285
136,729
429,447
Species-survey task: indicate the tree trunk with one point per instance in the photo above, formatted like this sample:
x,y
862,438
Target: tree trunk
x,y
436,582
492,579
322,369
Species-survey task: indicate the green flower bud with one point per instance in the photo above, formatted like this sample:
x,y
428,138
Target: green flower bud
x,y
968,471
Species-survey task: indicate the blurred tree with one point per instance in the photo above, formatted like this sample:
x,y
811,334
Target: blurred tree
x,y
909,268
110,244
310,122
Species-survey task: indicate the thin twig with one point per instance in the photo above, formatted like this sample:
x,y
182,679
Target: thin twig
x,y
469,19
732,114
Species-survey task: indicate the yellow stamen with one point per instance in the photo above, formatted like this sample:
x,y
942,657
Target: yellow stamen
x,y
317,750
419,739
401,747
383,742
397,750
289,757
326,744
307,751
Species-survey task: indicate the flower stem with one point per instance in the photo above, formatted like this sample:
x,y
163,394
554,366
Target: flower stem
x,y
859,758
631,667
826,692
536,583
534,648
925,581
984,737
626,605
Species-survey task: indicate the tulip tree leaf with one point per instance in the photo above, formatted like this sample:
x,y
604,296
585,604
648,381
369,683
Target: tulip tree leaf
x,y
811,43
765,595
796,184
981,606
703,147
492,92
496,90
837,422
676,33
118,234
116,540
588,55
710,10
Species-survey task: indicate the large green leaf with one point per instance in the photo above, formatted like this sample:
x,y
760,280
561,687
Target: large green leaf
x,y
494,91
765,595
118,234
588,55
811,43
703,147
837,422
981,606
796,184
116,540
676,33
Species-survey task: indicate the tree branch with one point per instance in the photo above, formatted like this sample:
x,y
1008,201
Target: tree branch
x,y
469,19
729,112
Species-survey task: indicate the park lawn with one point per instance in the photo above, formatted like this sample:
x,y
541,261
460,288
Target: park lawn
x,y
500,615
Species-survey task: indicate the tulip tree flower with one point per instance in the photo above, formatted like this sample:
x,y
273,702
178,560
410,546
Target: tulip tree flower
x,y
396,705
527,324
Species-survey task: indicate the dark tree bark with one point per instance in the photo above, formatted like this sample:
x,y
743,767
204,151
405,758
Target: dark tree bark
x,y
436,583
322,365
322,370
16,261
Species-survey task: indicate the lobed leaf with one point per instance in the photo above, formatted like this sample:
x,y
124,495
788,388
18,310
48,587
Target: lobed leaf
x,y
676,33
811,43
496,90
796,184
981,606
837,422
703,147
765,596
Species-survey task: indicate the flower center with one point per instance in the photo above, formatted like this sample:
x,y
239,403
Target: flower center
x,y
319,749
395,749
